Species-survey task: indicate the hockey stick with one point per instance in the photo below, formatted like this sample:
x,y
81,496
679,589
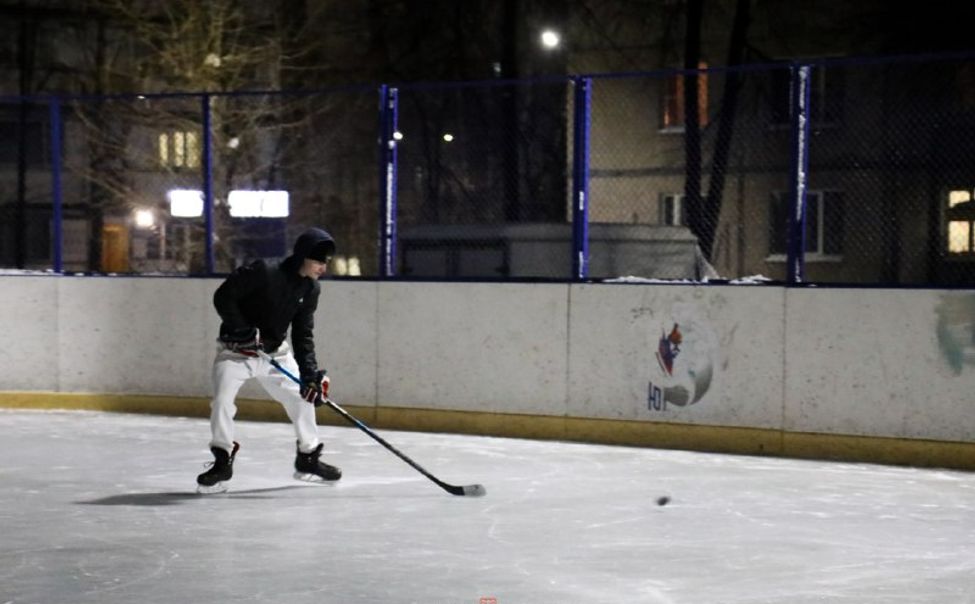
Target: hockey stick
x,y
472,490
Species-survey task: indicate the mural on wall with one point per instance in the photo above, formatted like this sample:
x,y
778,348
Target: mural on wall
x,y
956,330
682,366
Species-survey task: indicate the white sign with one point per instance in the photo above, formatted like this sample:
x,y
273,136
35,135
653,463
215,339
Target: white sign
x,y
188,203
262,204
185,203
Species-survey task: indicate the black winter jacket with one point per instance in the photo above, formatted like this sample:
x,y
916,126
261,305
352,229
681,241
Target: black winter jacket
x,y
271,298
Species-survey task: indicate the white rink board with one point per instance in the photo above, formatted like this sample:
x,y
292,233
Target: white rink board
x,y
346,342
29,321
734,334
878,363
136,335
473,347
862,362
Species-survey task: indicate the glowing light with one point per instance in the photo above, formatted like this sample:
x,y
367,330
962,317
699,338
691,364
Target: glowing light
x,y
185,203
550,39
957,197
144,219
258,204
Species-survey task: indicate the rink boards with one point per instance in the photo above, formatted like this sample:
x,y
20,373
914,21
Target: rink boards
x,y
860,374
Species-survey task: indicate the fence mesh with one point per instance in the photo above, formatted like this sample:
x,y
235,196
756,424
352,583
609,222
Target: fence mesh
x,y
318,148
25,201
690,176
483,172
891,158
121,158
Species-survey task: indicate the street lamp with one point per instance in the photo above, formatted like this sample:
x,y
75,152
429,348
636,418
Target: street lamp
x,y
550,39
144,219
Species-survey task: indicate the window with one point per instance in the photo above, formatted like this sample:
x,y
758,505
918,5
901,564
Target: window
x,y
960,222
825,96
36,149
673,210
672,112
824,223
179,149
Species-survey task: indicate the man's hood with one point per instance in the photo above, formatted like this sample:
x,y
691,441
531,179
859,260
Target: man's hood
x,y
313,239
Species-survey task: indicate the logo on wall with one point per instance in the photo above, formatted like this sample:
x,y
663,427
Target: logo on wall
x,y
956,330
685,358
668,349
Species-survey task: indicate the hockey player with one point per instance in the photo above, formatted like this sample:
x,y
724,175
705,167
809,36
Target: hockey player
x,y
257,303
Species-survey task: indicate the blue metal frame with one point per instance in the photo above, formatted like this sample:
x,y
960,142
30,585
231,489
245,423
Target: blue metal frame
x,y
582,120
57,235
795,262
208,184
388,170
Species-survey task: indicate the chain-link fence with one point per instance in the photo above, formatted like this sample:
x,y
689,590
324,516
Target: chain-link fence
x,y
482,180
875,163
286,162
835,171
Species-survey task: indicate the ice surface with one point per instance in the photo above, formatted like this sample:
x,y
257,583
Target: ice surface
x,y
100,508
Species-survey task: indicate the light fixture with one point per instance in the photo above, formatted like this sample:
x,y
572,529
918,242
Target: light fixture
x,y
144,218
550,39
185,203
258,204
448,137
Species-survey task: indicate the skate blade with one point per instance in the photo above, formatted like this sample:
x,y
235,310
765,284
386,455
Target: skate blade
x,y
313,478
220,487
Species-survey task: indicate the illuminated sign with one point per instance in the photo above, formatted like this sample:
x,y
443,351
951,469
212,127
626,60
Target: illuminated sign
x,y
258,204
185,203
188,203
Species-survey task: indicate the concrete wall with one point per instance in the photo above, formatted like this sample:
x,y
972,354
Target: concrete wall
x,y
764,362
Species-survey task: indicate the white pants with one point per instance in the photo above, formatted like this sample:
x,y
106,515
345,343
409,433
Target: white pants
x,y
231,370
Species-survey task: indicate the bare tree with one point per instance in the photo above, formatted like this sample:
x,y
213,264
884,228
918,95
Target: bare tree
x,y
184,61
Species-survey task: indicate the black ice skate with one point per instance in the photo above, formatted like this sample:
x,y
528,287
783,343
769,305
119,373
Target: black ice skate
x,y
221,470
310,468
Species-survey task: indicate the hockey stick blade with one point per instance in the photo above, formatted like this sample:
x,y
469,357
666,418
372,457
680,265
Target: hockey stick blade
x,y
473,490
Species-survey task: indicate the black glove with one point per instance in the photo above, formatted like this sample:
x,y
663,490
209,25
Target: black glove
x,y
245,341
314,389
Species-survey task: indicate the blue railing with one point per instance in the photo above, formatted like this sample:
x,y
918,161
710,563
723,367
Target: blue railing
x,y
831,171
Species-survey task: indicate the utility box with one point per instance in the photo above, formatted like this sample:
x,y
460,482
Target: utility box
x,y
544,251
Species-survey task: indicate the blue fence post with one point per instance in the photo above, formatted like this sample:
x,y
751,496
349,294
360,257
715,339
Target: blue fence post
x,y
800,166
388,117
580,177
57,235
208,184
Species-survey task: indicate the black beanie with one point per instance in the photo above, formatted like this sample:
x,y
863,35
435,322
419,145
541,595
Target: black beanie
x,y
322,251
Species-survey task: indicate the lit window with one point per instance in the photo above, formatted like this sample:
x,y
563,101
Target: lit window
x,y
672,116
346,266
957,197
959,237
179,149
961,222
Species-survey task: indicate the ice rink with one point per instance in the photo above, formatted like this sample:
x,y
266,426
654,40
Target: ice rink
x,y
101,507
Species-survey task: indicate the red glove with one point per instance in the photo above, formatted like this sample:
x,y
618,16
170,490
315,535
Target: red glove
x,y
315,389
